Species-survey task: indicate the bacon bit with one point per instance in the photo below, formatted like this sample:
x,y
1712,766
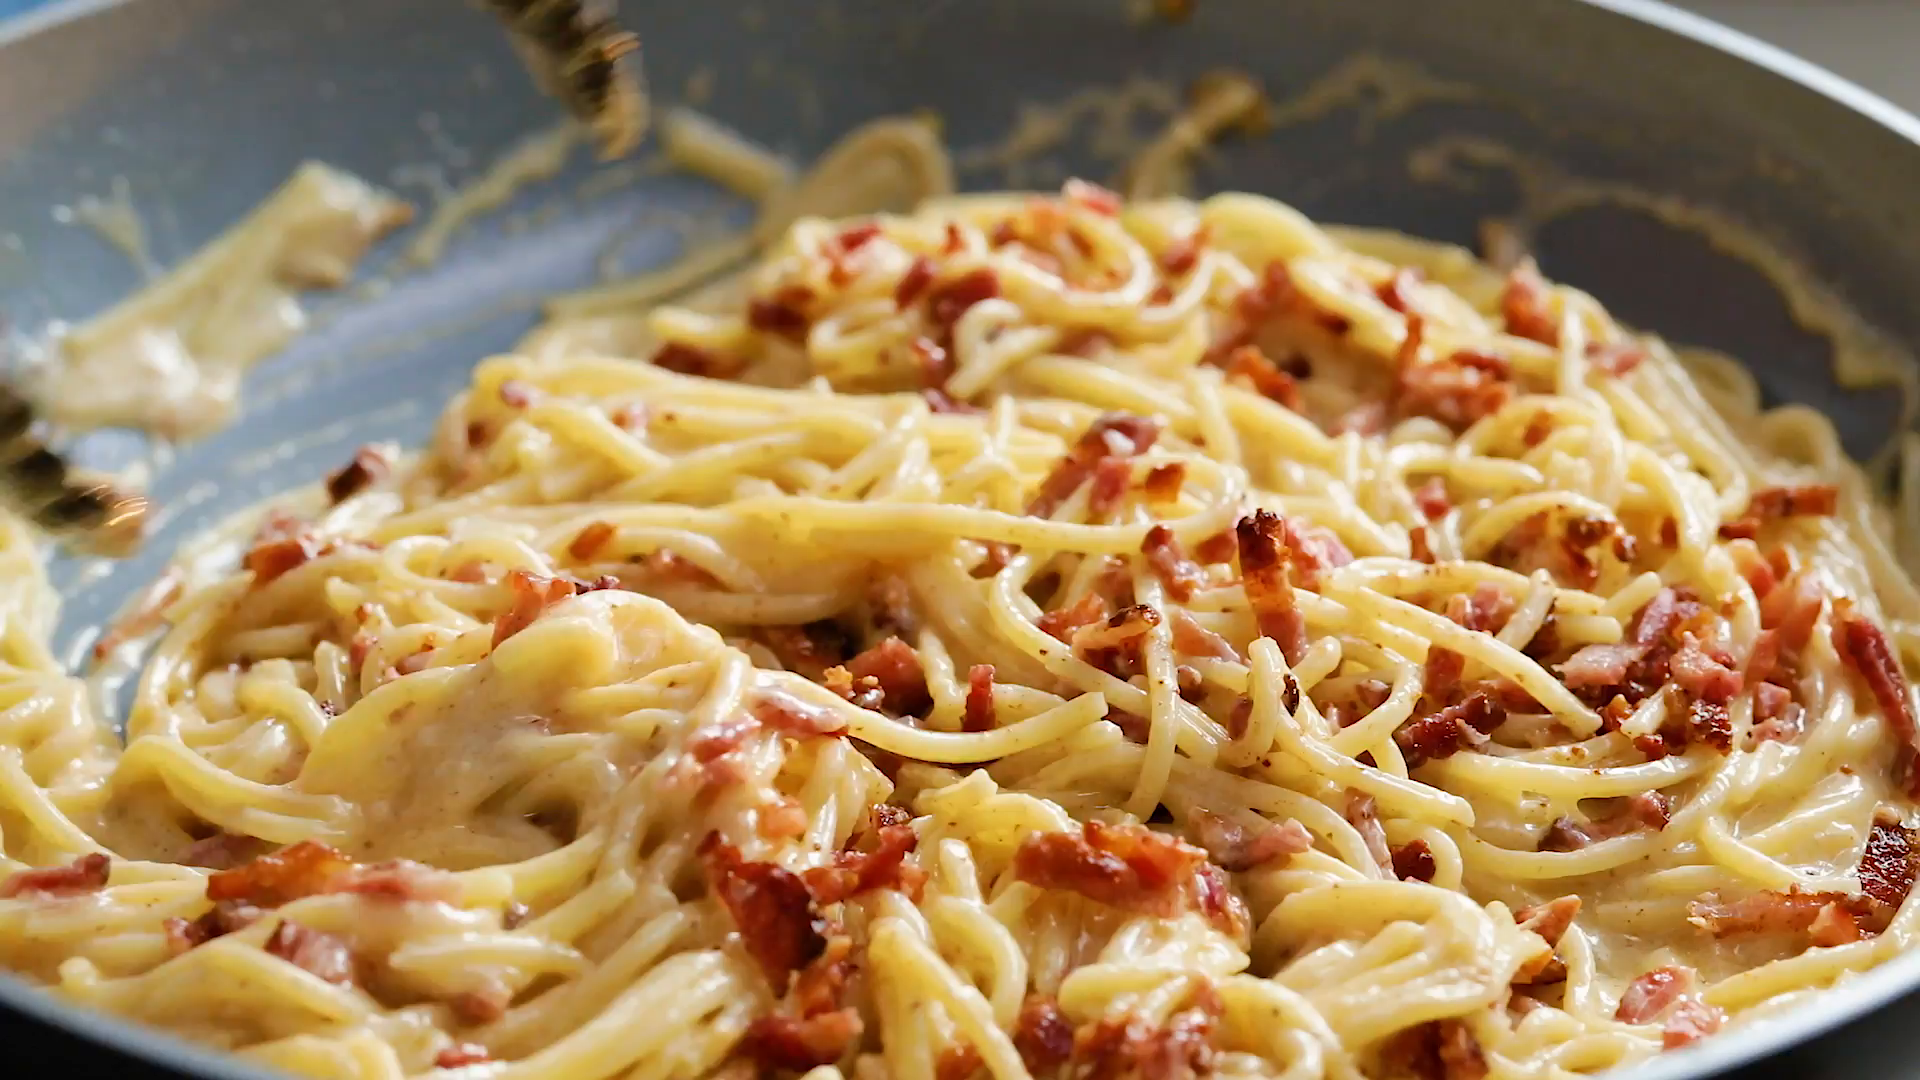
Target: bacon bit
x,y
855,237
317,953
782,819
1363,814
1236,848
1776,715
515,394
1183,253
810,649
307,868
1249,365
1413,861
1549,920
790,716
1888,863
1129,867
797,1044
590,540
715,741
1164,482
1793,607
683,359
471,572
1451,730
771,906
281,545
1436,1050
952,299
1705,678
1115,435
1793,911
1063,623
1802,500
1834,925
1112,477
1131,1046
533,594
1616,359
1397,291
1431,498
890,606
1192,639
1600,666
1123,630
478,434
1092,196
368,466
1221,547
1650,810
1420,545
1524,305
980,712
895,669
995,555
821,986
1653,993
482,1006
856,872
670,566
85,874
1266,562
1690,1021
1042,1035
955,242
1864,647
1315,550
460,1055
957,1062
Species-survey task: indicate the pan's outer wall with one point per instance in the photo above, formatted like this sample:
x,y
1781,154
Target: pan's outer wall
x,y
206,104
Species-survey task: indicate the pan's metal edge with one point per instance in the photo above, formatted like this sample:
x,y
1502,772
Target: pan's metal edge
x,y
1835,1007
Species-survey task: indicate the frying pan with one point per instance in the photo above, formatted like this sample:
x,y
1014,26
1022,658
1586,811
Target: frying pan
x,y
202,106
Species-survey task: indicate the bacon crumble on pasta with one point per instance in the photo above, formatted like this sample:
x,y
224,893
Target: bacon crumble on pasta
x,y
1030,636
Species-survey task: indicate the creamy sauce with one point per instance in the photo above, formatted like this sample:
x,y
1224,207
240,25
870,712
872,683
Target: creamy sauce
x,y
536,158
116,220
170,358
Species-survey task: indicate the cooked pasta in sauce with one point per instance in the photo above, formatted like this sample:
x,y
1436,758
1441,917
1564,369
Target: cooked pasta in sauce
x,y
1030,635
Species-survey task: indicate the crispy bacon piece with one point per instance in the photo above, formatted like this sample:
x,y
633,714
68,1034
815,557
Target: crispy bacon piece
x,y
1131,1046
460,1055
1123,629
1889,861
1315,549
1266,572
1653,993
1704,677
313,951
958,1061
1164,482
1091,196
1549,920
1600,666
1793,607
590,539
1777,503
948,301
1690,1021
1413,861
1063,623
532,594
1192,639
1451,730
882,867
797,1044
1864,647
918,276
1793,911
1458,390
896,670
303,869
771,906
1116,435
1179,575
85,874
1420,545
1125,866
1648,810
810,649
979,712
855,237
1364,815
1523,303
1436,1050
1180,256
366,468
1431,498
1112,478
1249,365
1775,714
1397,291
1615,358
1042,1035
683,359
282,544
1236,848
784,313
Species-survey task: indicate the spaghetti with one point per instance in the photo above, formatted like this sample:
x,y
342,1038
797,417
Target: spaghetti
x,y
1025,636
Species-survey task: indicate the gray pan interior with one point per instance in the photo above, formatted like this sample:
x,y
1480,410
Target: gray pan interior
x,y
203,106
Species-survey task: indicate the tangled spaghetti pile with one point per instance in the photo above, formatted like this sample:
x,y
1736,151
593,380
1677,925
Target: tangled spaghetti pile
x,y
1033,636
